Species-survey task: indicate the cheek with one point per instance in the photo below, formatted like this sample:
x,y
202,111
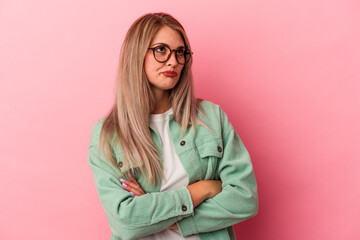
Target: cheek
x,y
180,68
147,65
151,66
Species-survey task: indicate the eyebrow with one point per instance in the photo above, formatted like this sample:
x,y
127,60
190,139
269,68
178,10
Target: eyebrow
x,y
155,44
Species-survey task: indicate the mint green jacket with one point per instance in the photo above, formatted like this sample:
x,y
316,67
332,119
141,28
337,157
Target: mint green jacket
x,y
205,155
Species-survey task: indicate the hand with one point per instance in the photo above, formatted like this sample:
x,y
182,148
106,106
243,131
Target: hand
x,y
215,187
174,226
204,189
132,186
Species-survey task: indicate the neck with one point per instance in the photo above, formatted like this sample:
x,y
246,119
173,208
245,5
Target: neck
x,y
162,102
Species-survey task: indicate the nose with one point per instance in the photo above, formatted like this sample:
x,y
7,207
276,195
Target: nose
x,y
172,60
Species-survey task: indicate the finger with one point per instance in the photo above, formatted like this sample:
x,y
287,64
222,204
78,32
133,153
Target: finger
x,y
132,187
133,191
137,185
136,192
131,184
132,178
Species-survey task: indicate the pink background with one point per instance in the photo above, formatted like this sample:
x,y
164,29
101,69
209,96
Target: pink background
x,y
286,72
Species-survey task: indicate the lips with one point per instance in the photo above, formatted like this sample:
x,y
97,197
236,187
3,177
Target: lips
x,y
170,73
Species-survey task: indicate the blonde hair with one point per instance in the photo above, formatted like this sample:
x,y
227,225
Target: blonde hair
x,y
127,123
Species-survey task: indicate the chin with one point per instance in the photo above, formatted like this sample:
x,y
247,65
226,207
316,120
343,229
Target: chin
x,y
167,88
170,85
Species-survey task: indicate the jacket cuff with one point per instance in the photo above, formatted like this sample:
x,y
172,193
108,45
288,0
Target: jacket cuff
x,y
186,205
187,226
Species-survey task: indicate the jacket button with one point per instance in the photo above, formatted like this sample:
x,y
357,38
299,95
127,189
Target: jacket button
x,y
184,208
182,143
219,149
120,164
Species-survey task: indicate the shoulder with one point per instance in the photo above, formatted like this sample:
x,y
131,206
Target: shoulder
x,y
211,114
206,103
209,107
215,116
95,132
211,110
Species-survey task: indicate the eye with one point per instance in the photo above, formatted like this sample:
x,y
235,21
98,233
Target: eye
x,y
180,52
160,49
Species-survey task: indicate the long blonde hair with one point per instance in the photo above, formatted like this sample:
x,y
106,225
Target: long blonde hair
x,y
127,123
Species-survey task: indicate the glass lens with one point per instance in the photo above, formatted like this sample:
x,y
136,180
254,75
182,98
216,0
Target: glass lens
x,y
187,55
180,55
161,53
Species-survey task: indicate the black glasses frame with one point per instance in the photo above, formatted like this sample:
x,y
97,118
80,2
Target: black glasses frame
x,y
171,51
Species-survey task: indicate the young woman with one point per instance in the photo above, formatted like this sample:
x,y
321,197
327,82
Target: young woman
x,y
167,165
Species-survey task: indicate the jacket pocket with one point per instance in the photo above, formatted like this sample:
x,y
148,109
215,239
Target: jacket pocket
x,y
210,152
211,147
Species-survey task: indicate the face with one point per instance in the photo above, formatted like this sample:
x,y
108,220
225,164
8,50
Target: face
x,y
164,76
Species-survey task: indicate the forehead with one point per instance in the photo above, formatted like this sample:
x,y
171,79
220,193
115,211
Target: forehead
x,y
168,36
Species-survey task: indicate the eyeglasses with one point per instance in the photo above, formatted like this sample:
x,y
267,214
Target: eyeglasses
x,y
162,53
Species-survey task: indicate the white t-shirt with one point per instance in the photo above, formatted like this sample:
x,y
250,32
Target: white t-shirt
x,y
174,172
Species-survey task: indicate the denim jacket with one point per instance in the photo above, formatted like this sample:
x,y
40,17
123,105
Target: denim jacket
x,y
204,155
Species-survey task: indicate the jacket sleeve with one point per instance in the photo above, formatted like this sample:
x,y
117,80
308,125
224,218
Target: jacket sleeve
x,y
134,217
238,200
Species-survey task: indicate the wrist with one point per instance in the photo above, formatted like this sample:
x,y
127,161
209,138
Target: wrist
x,y
199,192
207,188
204,188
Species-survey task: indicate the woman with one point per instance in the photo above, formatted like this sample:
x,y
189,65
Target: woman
x,y
167,165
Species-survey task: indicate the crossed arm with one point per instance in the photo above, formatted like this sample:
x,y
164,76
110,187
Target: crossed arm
x,y
199,191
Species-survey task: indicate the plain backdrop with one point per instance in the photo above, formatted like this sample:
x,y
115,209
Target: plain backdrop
x,y
287,74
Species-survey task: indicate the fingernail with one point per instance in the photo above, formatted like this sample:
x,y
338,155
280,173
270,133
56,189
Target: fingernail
x,y
122,180
124,185
132,193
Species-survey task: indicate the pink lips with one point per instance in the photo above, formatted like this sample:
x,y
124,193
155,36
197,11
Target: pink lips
x,y
170,73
